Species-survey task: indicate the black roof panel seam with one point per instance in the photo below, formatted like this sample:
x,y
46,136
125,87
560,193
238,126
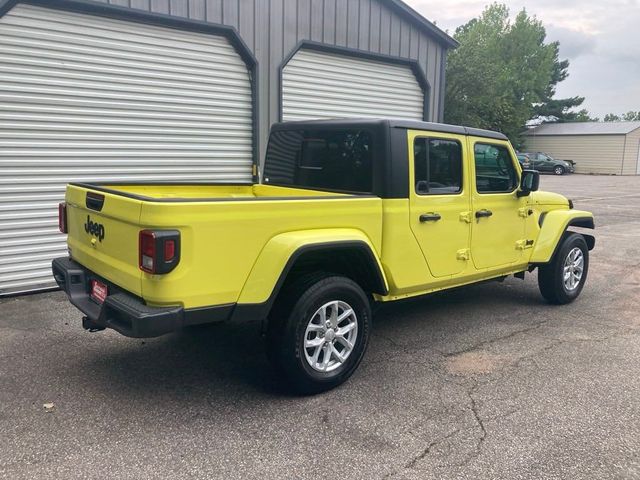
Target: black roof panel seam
x,y
390,123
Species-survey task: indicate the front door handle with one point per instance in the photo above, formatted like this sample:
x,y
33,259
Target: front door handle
x,y
483,213
430,217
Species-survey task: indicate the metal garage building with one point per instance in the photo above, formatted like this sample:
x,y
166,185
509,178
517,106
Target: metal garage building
x,y
597,147
183,90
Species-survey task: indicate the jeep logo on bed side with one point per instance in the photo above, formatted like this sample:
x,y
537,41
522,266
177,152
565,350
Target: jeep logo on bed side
x,y
95,229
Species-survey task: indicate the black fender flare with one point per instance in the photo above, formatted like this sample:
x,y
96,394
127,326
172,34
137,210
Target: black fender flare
x,y
364,256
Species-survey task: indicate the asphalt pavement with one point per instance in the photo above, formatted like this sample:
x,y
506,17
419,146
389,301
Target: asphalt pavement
x,y
486,381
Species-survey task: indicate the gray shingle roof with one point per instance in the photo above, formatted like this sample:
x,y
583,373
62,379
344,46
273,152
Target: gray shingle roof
x,y
584,128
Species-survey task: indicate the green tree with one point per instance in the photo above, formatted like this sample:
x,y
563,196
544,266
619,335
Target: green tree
x,y
561,110
503,73
611,117
630,116
584,116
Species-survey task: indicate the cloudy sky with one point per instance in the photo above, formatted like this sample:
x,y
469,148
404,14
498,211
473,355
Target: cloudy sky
x,y
600,39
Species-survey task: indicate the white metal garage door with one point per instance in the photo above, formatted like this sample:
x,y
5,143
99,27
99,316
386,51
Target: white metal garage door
x,y
86,98
327,85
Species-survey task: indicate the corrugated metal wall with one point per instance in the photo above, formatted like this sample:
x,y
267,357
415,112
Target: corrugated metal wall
x,y
631,162
592,153
272,28
86,98
328,85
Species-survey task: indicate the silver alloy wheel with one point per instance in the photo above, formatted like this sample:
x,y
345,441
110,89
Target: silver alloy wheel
x,y
573,269
330,336
558,170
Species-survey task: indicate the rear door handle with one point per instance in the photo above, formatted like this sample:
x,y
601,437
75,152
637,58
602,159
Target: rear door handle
x,y
483,213
430,217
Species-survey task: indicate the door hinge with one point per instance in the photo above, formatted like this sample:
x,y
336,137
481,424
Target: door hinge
x,y
524,244
523,212
465,217
463,254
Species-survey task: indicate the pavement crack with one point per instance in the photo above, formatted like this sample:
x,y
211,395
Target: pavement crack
x,y
484,343
479,423
478,418
411,463
423,453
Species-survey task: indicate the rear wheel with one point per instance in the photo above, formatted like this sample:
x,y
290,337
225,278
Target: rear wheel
x,y
318,332
562,279
558,170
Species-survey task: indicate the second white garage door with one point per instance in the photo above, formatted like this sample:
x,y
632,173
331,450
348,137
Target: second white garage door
x,y
86,98
321,85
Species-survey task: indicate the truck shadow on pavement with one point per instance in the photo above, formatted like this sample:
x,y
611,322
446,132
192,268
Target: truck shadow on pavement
x,y
228,361
200,360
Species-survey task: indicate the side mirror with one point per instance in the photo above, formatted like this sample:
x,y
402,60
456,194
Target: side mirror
x,y
529,182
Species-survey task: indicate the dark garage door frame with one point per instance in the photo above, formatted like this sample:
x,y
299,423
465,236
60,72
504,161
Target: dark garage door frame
x,y
355,53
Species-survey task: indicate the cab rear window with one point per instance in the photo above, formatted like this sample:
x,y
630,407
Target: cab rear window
x,y
339,160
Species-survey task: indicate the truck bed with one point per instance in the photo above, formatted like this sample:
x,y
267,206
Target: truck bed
x,y
223,229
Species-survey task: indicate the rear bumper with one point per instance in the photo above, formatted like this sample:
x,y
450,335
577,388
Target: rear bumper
x,y
124,312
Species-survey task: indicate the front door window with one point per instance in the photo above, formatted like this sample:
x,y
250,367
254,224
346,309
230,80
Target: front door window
x,y
495,171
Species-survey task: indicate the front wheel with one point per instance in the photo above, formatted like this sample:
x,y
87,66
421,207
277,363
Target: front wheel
x,y
318,332
562,279
558,170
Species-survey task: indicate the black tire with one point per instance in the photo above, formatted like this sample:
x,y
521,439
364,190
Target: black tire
x,y
558,170
288,321
550,275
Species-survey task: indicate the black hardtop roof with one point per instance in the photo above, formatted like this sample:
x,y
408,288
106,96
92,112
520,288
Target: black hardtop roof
x,y
388,123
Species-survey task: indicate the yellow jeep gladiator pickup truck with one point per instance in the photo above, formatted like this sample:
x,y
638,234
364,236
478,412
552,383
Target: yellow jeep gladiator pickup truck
x,y
349,213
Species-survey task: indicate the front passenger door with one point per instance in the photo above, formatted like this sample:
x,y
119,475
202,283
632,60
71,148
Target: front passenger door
x,y
499,215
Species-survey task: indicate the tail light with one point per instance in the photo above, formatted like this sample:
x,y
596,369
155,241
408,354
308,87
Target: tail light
x,y
62,217
159,250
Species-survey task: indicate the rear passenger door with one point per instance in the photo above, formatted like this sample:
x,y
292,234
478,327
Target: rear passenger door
x,y
499,215
440,199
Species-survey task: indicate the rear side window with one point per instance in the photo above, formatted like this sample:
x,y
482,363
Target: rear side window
x,y
495,172
437,166
338,160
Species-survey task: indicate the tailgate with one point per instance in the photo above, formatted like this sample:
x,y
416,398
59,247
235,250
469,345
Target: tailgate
x,y
103,233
